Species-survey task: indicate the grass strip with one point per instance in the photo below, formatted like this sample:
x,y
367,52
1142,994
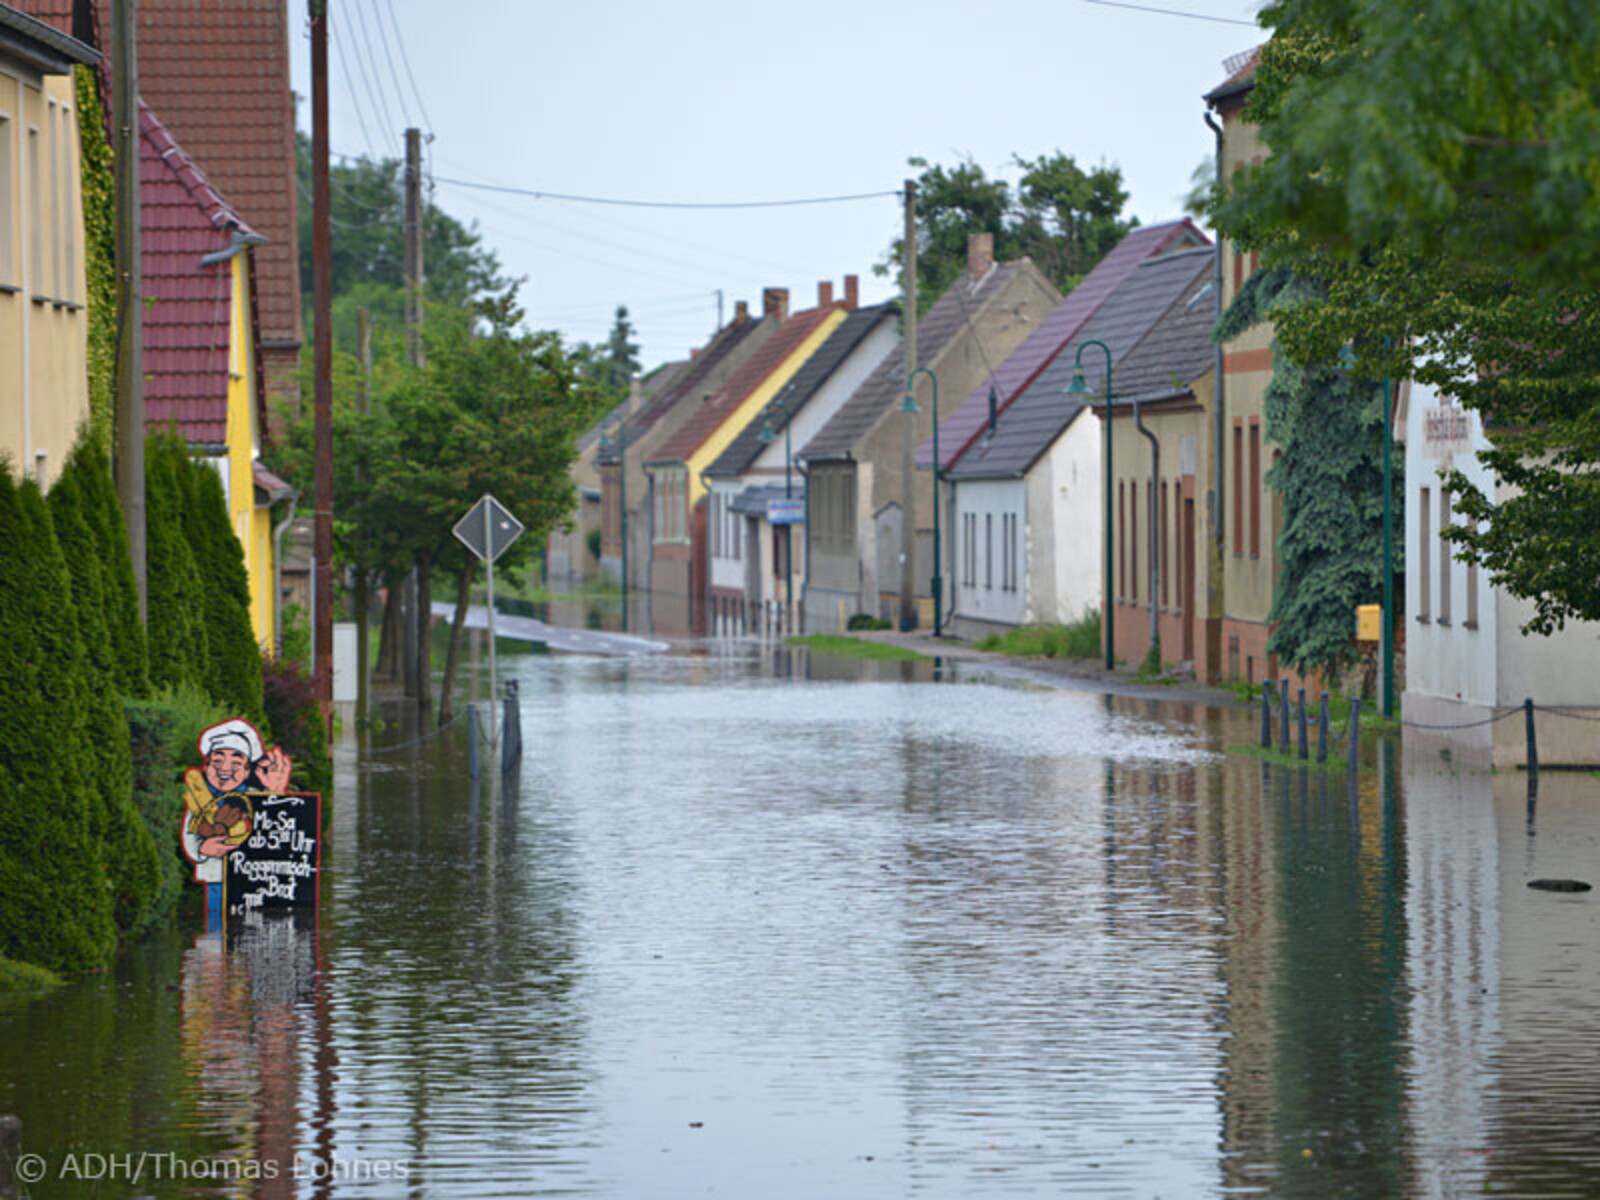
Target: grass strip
x,y
849,647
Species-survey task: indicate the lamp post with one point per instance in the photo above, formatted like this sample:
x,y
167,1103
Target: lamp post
x,y
1079,388
622,489
767,438
909,405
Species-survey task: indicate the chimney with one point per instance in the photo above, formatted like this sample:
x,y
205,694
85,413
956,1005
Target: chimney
x,y
635,394
775,302
980,254
741,311
694,353
825,293
852,292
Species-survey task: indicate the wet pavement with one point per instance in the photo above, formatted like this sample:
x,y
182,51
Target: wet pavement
x,y
750,922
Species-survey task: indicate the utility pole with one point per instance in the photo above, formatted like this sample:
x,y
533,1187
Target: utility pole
x,y
129,421
908,445
322,359
418,604
363,596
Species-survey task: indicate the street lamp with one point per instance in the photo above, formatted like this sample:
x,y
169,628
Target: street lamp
x,y
767,438
1079,388
607,443
909,405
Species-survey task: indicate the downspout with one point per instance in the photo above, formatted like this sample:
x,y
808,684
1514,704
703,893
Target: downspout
x,y
278,531
805,584
1155,532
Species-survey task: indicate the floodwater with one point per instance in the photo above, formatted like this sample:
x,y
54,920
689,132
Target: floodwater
x,y
748,923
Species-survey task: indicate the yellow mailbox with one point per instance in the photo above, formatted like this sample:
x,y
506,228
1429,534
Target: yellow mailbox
x,y
1369,622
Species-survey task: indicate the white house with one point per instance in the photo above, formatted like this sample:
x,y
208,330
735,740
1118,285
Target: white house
x,y
1466,655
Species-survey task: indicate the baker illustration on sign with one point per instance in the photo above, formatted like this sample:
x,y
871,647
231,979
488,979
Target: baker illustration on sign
x,y
217,814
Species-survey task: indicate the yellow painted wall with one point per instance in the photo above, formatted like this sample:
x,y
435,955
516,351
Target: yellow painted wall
x,y
44,387
711,449
252,523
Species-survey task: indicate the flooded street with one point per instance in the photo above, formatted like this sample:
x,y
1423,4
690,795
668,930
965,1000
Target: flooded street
x,y
752,924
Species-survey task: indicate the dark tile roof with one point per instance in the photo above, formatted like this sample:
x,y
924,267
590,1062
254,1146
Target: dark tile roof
x,y
689,382
650,387
939,326
1036,417
754,498
714,410
807,382
188,306
966,423
1177,351
44,40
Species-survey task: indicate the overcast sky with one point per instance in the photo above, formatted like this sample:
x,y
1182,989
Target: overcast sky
x,y
708,101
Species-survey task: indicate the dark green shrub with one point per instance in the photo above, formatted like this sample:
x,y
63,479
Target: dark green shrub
x,y
592,540
97,495
863,620
178,646
296,718
55,901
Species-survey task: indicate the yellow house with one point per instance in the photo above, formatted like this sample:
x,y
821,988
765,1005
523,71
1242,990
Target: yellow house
x,y
202,346
44,388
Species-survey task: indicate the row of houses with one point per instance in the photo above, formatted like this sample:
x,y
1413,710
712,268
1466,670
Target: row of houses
x,y
218,237
764,478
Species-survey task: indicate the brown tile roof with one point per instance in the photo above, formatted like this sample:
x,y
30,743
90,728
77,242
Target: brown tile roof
x,y
188,306
708,418
962,302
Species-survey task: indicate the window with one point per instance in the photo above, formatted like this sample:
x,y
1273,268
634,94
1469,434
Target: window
x,y
1122,544
35,205
1425,555
1255,488
1133,543
1164,544
988,551
8,265
1444,556
1238,489
1472,595
717,517
52,134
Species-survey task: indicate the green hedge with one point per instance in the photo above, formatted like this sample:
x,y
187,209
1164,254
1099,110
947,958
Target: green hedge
x,y
179,648
232,668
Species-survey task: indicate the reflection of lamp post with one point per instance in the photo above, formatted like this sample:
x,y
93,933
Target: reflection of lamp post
x,y
607,443
909,405
1079,388
767,438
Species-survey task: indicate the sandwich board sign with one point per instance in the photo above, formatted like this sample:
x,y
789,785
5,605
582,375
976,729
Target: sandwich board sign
x,y
488,530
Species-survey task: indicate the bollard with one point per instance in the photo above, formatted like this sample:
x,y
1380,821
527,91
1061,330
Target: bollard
x,y
511,729
10,1151
1266,715
1533,746
1354,734
473,767
1322,730
1301,718
1283,715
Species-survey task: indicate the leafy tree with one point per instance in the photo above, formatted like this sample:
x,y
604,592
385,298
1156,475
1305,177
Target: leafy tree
x,y
1447,208
1329,425
1064,218
55,903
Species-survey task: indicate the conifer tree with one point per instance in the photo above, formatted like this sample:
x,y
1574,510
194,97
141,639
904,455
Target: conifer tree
x,y
128,851
178,644
98,500
55,905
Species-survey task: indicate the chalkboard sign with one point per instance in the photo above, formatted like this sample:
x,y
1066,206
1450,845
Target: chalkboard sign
x,y
279,864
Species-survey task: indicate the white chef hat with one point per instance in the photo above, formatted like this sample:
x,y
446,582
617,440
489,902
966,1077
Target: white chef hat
x,y
237,734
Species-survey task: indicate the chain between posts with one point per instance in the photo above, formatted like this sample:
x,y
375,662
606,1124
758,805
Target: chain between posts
x,y
429,736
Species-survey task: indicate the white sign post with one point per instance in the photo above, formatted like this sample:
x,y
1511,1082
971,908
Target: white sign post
x,y
488,531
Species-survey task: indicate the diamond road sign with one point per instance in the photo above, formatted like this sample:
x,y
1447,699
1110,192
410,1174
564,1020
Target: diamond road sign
x,y
488,530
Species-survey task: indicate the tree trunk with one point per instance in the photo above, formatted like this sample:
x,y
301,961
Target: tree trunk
x,y
453,655
424,626
389,646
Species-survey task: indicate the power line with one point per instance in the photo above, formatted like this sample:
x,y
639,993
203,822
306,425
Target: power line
x,y
1172,12
383,38
406,60
350,86
381,102
539,195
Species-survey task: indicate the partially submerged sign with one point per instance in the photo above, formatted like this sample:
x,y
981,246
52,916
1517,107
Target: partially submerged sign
x,y
488,529
243,829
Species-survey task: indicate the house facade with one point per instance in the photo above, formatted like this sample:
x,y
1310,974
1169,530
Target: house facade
x,y
680,552
44,387
855,482
1467,658
758,570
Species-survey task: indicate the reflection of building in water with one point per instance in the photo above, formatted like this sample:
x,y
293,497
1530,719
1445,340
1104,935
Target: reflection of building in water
x,y
1452,974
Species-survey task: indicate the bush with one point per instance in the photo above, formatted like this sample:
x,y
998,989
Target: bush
x,y
164,733
291,702
863,620
178,647
592,540
232,665
1081,639
55,898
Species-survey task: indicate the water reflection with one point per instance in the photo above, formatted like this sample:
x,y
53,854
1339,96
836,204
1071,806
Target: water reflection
x,y
784,925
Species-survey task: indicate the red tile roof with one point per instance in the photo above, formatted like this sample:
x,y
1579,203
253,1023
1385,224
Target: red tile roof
x,y
708,418
188,306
